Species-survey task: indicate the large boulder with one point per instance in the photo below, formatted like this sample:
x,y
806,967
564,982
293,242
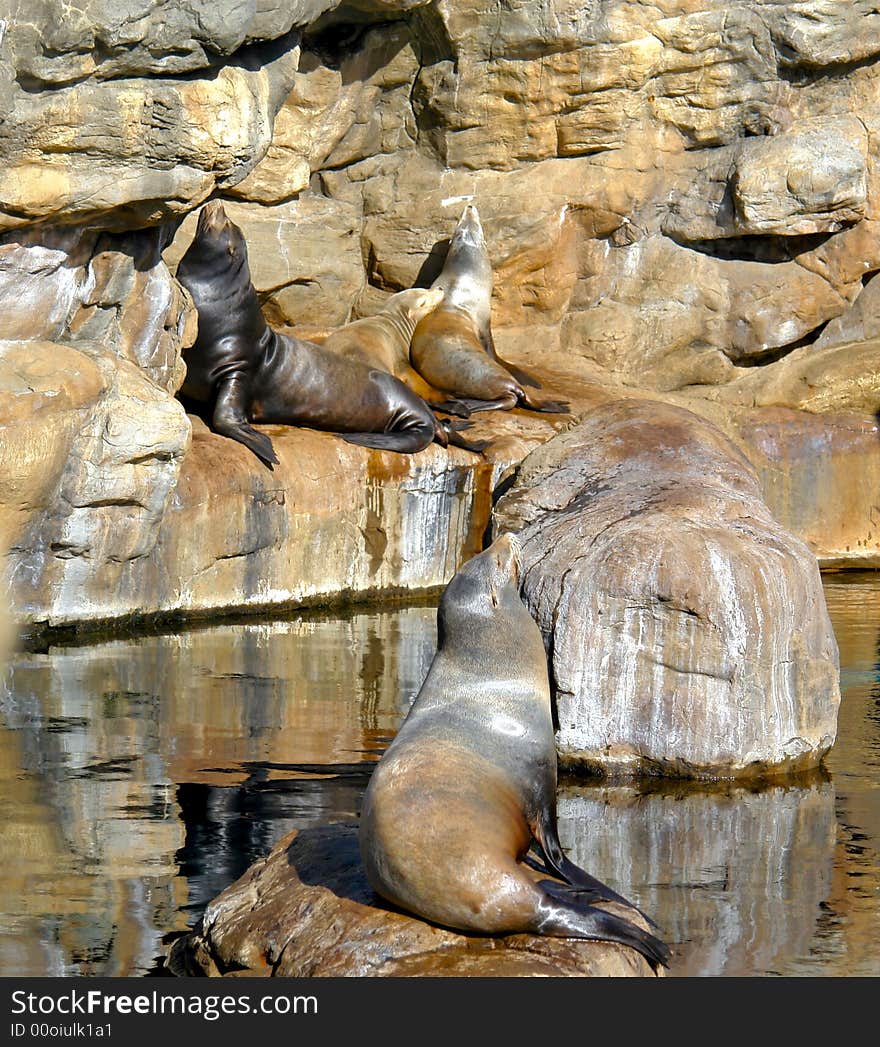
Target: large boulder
x,y
686,629
144,521
121,117
307,910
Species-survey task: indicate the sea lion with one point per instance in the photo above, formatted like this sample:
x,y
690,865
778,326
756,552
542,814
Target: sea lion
x,y
469,781
383,340
252,373
452,347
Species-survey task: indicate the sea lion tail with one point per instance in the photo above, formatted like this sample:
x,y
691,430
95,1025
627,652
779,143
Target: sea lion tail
x,y
561,917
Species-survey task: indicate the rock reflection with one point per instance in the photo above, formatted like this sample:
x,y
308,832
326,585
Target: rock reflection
x,y
734,877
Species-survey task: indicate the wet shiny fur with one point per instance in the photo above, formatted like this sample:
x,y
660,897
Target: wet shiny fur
x,y
251,373
469,782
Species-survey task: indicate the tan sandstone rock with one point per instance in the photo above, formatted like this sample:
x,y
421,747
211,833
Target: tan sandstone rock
x,y
809,180
686,629
333,523
307,910
76,286
123,118
115,460
679,200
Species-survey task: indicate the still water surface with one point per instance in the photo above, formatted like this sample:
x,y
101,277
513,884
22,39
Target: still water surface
x,y
138,778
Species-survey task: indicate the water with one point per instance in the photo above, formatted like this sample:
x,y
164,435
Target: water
x,y
140,777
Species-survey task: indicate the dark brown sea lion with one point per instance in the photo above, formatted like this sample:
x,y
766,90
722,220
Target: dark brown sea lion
x,y
251,373
469,781
452,347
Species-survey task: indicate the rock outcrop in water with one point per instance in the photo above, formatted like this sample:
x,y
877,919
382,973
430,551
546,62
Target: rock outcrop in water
x,y
679,198
686,630
307,910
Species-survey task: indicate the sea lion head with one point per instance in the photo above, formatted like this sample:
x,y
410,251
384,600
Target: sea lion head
x,y
469,230
487,582
217,258
417,302
466,275
217,232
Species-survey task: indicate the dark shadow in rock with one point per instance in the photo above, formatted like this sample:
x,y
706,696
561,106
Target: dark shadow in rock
x,y
340,34
433,264
328,856
768,248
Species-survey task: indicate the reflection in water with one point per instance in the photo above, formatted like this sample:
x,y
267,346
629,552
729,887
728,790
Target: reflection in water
x,y
735,877
138,778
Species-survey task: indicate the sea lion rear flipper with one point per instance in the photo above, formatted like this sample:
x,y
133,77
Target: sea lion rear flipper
x,y
406,442
577,879
523,377
452,406
230,420
503,404
477,446
560,916
535,403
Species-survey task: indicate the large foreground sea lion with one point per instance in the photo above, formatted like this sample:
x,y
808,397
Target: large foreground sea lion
x,y
469,781
452,347
251,373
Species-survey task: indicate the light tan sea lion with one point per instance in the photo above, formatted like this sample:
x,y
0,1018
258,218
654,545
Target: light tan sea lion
x,y
453,349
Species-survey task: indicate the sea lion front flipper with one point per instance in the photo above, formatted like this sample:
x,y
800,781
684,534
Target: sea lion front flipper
x,y
560,916
452,406
230,419
523,377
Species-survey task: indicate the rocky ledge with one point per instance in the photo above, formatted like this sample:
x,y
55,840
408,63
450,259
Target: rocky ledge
x,y
306,910
119,506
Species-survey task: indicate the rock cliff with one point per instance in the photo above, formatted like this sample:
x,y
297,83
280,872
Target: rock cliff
x,y
680,199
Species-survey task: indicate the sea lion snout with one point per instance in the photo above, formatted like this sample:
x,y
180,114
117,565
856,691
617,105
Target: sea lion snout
x,y
213,218
507,557
469,229
432,298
